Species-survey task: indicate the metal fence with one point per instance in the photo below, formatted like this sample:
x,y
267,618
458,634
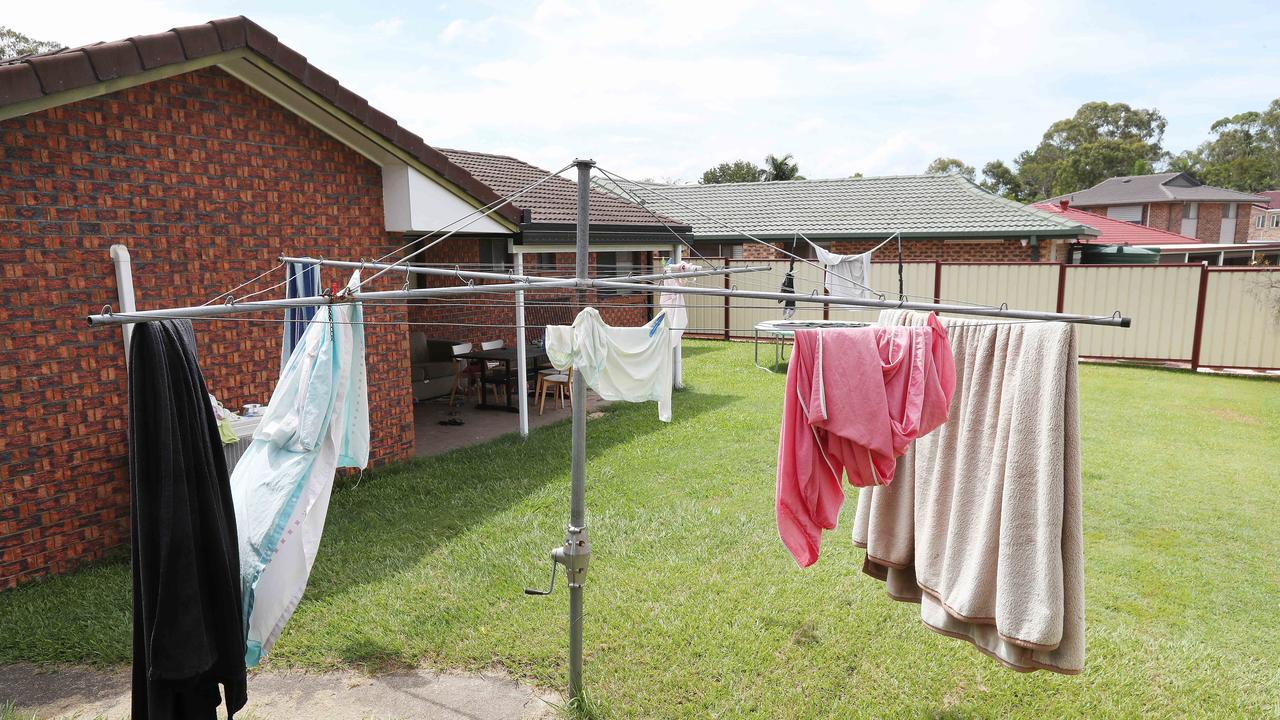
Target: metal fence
x,y
1218,317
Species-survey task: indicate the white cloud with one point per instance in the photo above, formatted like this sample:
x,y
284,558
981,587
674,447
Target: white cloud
x,y
667,88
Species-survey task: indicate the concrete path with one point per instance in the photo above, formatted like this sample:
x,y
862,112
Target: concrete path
x,y
276,695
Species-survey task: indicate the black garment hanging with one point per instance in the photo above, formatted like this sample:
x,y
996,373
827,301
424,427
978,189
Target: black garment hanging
x,y
188,631
789,284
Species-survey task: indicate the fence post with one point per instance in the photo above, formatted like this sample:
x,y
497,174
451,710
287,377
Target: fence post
x,y
1199,331
1062,285
727,286
937,281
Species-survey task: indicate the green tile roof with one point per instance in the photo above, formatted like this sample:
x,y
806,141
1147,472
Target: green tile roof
x,y
915,205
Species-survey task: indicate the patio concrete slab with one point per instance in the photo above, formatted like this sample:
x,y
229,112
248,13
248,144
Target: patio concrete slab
x,y
86,693
479,426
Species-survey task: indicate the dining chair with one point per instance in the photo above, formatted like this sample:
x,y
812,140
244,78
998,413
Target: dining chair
x,y
462,370
560,382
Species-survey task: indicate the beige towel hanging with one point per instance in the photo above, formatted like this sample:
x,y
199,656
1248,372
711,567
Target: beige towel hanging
x,y
982,525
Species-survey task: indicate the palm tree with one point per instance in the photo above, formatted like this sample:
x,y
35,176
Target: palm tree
x,y
781,168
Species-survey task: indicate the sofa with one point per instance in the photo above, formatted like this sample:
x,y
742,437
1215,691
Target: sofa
x,y
431,366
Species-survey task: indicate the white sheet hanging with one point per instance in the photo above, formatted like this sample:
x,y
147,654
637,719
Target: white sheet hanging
x,y
847,275
317,421
619,363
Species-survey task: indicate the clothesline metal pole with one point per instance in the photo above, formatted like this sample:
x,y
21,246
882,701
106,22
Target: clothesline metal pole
x,y
677,374
239,308
521,360
578,547
981,310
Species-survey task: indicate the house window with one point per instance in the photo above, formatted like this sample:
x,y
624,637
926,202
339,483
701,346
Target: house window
x,y
493,253
1229,211
1260,222
1190,211
616,265
543,263
1275,220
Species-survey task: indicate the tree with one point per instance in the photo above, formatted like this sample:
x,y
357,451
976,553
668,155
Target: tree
x,y
1102,140
781,168
949,166
14,43
1243,154
1001,180
737,171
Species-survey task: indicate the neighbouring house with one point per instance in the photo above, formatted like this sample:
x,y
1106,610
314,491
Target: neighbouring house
x,y
940,217
1173,248
207,151
1172,201
1264,218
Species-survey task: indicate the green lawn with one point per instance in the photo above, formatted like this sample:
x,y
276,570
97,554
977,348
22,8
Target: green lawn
x,y
694,609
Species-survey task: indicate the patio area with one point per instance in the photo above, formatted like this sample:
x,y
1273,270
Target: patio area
x,y
478,425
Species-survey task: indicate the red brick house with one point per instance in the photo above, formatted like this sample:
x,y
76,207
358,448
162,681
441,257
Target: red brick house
x,y
208,151
1172,201
1264,218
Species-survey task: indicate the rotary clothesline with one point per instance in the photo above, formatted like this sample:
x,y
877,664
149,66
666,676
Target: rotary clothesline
x,y
575,553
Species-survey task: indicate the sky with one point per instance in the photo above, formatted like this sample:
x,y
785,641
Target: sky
x,y
666,89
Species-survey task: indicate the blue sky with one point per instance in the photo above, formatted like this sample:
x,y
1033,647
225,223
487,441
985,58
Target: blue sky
x,y
667,89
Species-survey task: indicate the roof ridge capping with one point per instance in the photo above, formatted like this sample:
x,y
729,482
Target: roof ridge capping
x,y
1058,220
33,77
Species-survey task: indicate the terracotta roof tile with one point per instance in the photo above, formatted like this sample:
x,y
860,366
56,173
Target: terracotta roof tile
x,y
18,82
1115,232
63,71
198,40
114,59
159,49
555,202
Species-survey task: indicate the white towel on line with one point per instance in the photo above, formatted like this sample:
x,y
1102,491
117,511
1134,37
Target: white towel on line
x,y
847,275
620,363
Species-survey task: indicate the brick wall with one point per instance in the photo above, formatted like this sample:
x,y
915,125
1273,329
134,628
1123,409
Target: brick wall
x,y
1209,222
1266,232
1164,216
207,182
949,251
479,318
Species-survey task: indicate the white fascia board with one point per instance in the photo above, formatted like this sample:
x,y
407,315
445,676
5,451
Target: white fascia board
x,y
413,202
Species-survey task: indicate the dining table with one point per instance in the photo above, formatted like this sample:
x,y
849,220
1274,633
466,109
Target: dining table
x,y
534,355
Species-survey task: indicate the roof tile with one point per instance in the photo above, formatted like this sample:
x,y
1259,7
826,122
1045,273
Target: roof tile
x,y
18,82
63,71
231,31
915,205
322,82
199,40
260,39
290,60
159,49
1114,232
555,201
380,122
114,59
352,104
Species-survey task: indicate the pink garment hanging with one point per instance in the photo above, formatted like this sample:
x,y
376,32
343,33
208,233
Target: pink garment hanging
x,y
856,398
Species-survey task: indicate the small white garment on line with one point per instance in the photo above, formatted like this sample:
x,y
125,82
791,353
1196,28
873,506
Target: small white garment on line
x,y
620,363
847,275
673,303
316,422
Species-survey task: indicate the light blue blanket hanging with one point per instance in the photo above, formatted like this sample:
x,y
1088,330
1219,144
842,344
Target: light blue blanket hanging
x,y
316,422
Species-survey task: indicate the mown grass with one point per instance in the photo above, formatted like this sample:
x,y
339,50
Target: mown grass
x,y
694,609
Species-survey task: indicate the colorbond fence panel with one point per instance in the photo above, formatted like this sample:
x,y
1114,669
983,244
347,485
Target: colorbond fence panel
x,y
1026,286
744,313
1241,319
1161,299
